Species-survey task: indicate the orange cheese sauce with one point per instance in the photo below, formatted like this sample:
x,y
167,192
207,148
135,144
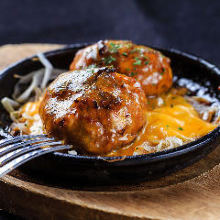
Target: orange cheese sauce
x,y
171,121
29,116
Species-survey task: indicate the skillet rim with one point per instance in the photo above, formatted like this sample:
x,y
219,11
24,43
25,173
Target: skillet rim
x,y
137,159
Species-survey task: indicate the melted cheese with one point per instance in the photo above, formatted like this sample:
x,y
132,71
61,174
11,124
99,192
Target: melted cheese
x,y
171,121
31,118
175,118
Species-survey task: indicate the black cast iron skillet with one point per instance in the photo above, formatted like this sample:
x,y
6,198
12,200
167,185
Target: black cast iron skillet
x,y
115,170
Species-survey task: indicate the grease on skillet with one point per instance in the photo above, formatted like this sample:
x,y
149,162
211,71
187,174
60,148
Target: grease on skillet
x,y
173,117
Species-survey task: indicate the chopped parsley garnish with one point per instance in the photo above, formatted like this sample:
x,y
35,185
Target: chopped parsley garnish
x,y
180,128
125,54
114,47
132,74
163,71
127,69
146,62
109,59
137,62
167,126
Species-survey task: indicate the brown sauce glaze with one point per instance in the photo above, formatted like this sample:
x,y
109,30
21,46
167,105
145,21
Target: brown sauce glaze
x,y
97,110
146,65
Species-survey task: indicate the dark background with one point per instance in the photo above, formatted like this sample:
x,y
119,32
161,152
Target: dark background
x,y
188,25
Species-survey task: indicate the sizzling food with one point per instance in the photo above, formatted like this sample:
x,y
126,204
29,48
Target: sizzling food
x,y
97,110
146,65
117,99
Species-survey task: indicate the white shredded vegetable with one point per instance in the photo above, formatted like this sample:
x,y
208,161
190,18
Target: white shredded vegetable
x,y
37,81
9,104
48,69
26,94
27,79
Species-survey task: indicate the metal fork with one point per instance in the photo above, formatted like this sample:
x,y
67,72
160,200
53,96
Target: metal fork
x,y
15,151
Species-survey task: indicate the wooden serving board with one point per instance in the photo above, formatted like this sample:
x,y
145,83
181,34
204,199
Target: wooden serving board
x,y
193,193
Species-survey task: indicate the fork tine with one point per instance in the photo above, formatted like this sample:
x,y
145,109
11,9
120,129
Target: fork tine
x,y
11,147
13,154
13,140
28,156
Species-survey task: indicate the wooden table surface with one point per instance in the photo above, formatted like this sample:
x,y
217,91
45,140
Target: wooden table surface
x,y
193,193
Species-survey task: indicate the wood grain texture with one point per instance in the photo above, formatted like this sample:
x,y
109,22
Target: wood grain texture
x,y
193,193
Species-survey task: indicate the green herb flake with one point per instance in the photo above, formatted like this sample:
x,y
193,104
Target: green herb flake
x,y
127,69
180,128
132,74
163,71
109,59
137,62
167,126
137,50
125,54
146,62
114,47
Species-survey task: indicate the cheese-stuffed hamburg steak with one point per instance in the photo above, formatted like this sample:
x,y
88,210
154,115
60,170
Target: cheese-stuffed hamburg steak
x,y
96,109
